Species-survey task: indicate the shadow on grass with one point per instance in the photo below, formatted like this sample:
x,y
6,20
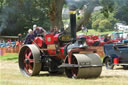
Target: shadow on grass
x,y
14,58
64,76
121,68
51,75
117,76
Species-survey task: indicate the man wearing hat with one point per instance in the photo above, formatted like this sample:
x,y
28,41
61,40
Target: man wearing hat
x,y
38,30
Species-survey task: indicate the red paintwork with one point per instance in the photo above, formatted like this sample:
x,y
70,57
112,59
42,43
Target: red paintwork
x,y
61,53
102,43
95,37
39,41
56,37
28,67
116,60
91,39
49,39
89,42
52,52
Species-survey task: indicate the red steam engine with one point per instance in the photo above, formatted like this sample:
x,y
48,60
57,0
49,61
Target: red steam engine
x,y
60,53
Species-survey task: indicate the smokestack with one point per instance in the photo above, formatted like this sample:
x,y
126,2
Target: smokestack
x,y
73,21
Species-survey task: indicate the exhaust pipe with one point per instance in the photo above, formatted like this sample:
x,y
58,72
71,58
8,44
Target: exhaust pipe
x,y
73,22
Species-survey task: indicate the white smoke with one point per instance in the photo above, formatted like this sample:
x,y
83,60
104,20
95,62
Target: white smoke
x,y
3,20
4,15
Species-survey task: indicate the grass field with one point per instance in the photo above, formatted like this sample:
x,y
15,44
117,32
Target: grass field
x,y
11,75
10,56
93,32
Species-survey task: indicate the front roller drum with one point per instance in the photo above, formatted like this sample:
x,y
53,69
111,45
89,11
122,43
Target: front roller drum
x,y
89,66
29,63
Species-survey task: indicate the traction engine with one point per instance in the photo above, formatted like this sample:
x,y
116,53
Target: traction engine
x,y
59,53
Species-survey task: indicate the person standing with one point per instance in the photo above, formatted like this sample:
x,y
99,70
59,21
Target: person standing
x,y
29,38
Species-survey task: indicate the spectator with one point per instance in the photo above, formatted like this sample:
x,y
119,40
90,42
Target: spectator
x,y
19,37
84,29
54,30
38,30
29,38
107,38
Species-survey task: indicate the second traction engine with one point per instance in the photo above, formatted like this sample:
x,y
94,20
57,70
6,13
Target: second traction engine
x,y
59,53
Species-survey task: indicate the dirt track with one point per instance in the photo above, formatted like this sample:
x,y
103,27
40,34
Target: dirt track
x,y
9,72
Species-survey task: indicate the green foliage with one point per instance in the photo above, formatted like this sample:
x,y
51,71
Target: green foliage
x,y
100,22
20,15
105,25
108,6
102,25
122,13
95,24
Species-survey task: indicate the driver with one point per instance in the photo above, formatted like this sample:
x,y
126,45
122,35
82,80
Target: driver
x,y
38,30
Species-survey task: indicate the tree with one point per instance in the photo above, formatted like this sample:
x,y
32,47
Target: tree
x,y
105,25
99,21
55,13
87,14
29,12
39,12
20,15
122,13
107,7
95,24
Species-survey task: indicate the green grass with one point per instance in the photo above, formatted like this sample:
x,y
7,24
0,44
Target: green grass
x,y
11,75
10,56
93,32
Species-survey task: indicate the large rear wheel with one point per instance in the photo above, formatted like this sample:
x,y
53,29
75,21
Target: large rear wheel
x,y
29,63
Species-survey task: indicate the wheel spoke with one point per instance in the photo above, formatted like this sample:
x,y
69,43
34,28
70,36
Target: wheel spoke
x,y
30,53
30,67
26,55
27,67
31,60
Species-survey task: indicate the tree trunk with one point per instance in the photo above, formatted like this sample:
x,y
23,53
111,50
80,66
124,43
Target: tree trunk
x,y
55,13
87,14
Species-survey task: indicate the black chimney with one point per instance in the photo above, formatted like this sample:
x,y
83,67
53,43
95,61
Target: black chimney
x,y
73,22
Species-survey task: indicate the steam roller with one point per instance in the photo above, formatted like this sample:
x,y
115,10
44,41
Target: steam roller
x,y
86,65
60,52
75,65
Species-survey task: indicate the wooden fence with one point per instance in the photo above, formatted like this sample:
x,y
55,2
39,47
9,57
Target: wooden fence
x,y
3,51
100,50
